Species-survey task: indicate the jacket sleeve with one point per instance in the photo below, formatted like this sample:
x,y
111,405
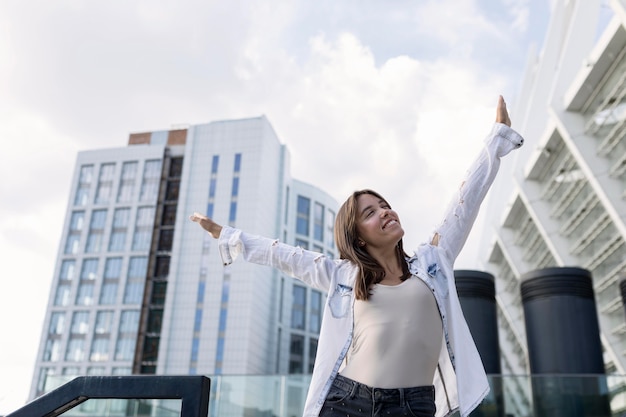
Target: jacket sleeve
x,y
462,211
312,268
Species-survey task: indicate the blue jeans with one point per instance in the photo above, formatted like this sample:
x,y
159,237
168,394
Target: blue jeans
x,y
353,399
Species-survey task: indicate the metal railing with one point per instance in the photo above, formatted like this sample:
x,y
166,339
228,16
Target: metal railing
x,y
192,391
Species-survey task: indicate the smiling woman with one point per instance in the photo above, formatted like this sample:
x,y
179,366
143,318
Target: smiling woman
x,y
393,339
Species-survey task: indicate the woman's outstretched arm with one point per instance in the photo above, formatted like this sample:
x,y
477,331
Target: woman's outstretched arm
x,y
452,233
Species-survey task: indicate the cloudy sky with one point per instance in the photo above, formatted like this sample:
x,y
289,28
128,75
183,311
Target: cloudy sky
x,y
394,95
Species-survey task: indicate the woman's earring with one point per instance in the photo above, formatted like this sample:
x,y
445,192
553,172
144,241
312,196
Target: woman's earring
x,y
361,243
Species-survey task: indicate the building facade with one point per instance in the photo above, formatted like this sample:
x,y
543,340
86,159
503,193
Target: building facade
x,y
568,203
140,289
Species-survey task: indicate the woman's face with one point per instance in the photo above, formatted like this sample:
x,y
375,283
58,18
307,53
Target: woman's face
x,y
377,225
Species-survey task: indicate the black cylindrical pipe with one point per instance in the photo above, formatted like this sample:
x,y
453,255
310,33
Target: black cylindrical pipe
x,y
622,287
564,347
477,294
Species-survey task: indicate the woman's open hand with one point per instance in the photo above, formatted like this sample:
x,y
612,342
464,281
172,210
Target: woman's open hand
x,y
502,115
207,224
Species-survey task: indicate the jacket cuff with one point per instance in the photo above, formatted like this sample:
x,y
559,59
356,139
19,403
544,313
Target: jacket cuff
x,y
504,138
228,253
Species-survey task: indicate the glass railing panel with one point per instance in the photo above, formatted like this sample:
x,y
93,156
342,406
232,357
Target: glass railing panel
x,y
126,408
284,396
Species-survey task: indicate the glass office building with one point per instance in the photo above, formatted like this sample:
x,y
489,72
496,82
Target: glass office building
x,y
139,289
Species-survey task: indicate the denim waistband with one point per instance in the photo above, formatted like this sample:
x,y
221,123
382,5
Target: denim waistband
x,y
383,394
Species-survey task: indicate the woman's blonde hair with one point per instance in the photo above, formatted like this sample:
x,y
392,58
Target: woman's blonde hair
x,y
347,241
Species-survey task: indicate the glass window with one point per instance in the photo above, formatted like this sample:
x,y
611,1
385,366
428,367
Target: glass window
x,y
121,370
162,266
150,182
235,188
286,204
108,292
43,378
57,323
84,184
98,219
212,187
315,316
312,353
298,307
125,348
77,221
71,371
141,240
176,167
215,163
80,322
75,350
169,215
233,212
62,295
296,354
84,295
96,371
90,267
105,184
159,289
129,170
71,245
118,233
330,227
73,238
138,267
82,196
104,322
166,238
117,241
99,350
52,351
318,222
237,162
302,243
129,321
112,272
172,191
155,320
86,174
151,348
143,229
303,215
113,268
68,268
133,293
96,231
121,216
127,182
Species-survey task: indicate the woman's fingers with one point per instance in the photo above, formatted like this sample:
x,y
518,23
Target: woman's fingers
x,y
502,115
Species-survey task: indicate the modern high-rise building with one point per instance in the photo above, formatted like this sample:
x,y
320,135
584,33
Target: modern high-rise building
x,y
562,200
138,288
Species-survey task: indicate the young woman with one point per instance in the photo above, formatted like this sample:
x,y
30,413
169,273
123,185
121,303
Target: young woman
x,y
393,340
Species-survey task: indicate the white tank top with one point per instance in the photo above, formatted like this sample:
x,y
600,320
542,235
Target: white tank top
x,y
398,336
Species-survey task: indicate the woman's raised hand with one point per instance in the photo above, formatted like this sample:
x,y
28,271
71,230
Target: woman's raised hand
x,y
502,115
207,224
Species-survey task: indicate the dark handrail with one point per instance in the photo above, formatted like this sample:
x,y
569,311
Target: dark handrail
x,y
192,390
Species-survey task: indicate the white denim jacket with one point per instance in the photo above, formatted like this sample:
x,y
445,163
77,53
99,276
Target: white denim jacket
x,y
460,380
